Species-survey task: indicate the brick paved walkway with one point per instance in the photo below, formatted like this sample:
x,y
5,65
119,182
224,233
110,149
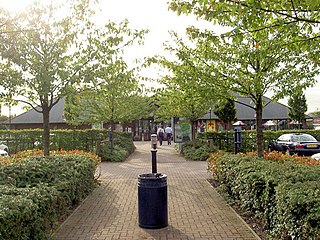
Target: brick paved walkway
x,y
196,210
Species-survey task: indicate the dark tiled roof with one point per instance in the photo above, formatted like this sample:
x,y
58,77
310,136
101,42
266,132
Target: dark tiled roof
x,y
32,116
275,111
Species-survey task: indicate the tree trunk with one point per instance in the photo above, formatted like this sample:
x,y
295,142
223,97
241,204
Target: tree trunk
x,y
111,135
259,132
46,129
193,138
193,130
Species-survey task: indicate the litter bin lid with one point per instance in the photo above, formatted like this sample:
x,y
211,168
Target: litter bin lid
x,y
152,176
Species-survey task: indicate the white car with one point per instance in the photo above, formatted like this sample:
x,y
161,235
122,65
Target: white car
x,y
316,156
4,147
4,150
3,153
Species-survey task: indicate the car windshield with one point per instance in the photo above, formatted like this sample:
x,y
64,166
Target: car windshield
x,y
303,138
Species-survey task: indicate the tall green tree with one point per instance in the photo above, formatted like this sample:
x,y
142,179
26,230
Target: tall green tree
x,y
268,47
110,91
40,55
298,19
298,106
252,67
184,94
225,110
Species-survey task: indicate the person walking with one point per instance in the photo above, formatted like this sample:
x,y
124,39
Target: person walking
x,y
168,131
160,134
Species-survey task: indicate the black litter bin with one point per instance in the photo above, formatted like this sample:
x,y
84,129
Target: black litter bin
x,y
152,200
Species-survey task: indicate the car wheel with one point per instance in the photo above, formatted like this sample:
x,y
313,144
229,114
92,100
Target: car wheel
x,y
270,149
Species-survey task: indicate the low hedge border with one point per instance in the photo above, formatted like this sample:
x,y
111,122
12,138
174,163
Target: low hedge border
x,y
123,147
224,140
37,192
285,195
84,140
196,150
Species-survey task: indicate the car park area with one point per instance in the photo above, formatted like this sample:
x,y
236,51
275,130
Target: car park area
x,y
296,143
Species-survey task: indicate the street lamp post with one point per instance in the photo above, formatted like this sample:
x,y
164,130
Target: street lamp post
x,y
210,127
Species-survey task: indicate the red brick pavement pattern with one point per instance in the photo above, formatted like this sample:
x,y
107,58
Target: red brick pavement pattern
x,y
196,210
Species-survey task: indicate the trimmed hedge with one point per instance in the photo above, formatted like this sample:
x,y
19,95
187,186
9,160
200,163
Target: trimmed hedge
x,y
298,210
286,196
37,192
196,150
29,213
90,140
225,140
123,147
85,140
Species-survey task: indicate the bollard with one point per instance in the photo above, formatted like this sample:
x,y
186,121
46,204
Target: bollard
x,y
154,160
154,152
154,141
237,139
152,194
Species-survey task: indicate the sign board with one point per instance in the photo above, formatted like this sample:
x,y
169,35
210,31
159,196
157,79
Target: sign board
x,y
182,131
211,126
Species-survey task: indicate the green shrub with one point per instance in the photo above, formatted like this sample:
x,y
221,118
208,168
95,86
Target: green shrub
x,y
196,150
36,192
118,154
33,211
122,148
257,185
16,213
85,140
298,210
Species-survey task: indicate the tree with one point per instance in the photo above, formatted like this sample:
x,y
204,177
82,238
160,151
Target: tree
x,y
224,67
225,110
250,69
40,55
299,19
269,46
110,91
3,119
184,94
315,114
298,106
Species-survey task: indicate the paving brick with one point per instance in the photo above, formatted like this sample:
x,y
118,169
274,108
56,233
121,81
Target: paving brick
x,y
196,210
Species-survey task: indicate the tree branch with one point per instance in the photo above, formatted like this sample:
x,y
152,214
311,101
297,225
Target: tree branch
x,y
31,105
283,12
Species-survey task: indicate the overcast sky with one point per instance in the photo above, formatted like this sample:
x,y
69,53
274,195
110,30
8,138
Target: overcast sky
x,y
153,15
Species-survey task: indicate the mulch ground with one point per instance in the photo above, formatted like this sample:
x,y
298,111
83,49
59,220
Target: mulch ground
x,y
255,223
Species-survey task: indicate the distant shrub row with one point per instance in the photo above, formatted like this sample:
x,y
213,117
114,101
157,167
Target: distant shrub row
x,y
284,194
94,141
225,140
196,150
37,192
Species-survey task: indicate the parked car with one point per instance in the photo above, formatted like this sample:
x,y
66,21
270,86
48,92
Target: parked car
x,y
4,147
316,156
299,143
3,153
4,150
